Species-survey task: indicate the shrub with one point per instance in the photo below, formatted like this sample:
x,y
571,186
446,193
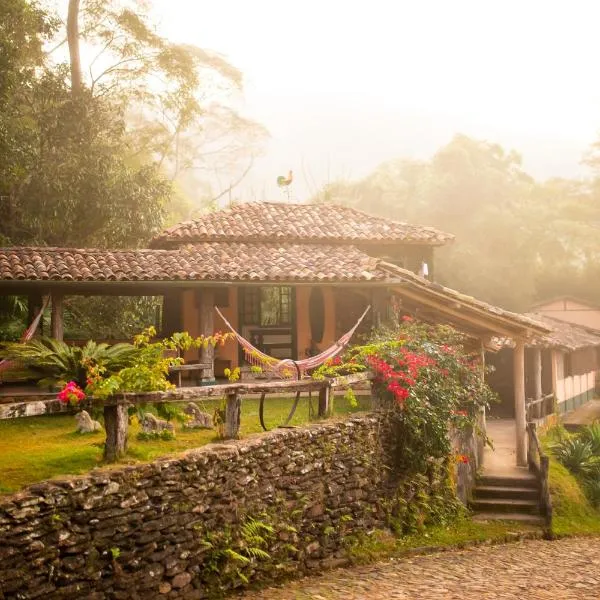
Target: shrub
x,y
574,453
591,435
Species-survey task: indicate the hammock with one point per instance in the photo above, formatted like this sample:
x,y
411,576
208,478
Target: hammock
x,y
287,367
28,333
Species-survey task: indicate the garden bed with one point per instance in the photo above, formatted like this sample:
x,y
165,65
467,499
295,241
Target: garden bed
x,y
38,448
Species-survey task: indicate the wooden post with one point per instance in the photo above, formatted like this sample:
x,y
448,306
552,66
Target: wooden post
x,y
554,361
520,416
324,397
207,328
116,421
34,304
537,382
233,412
57,316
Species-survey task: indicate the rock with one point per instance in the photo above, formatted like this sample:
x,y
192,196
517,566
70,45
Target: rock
x,y
164,587
85,423
152,424
181,580
200,419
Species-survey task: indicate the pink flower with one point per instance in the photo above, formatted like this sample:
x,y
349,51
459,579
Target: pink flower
x,y
71,394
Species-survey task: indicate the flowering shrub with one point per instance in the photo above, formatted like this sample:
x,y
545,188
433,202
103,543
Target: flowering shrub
x,y
71,394
428,380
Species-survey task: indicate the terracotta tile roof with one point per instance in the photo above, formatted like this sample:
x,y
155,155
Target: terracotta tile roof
x,y
321,223
206,261
452,304
567,336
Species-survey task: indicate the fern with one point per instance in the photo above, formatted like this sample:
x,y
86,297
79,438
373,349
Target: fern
x,y
257,553
230,553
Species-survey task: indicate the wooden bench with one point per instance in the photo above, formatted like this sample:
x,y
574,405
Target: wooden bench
x,y
190,368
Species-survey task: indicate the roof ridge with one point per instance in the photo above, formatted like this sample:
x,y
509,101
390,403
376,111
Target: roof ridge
x,y
299,221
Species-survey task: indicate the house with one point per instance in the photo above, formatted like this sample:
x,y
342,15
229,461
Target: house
x,y
562,366
567,308
290,277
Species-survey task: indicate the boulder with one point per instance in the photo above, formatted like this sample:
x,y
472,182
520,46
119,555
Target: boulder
x,y
85,423
152,424
199,418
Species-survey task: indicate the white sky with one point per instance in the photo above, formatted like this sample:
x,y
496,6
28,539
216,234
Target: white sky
x,y
344,85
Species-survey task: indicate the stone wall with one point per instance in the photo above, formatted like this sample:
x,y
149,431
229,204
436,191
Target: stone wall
x,y
201,523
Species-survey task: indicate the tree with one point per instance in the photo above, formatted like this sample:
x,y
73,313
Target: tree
x,y
512,233
180,99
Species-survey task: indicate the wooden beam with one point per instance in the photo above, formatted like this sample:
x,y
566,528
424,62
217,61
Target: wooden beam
x,y
207,328
57,325
480,323
520,409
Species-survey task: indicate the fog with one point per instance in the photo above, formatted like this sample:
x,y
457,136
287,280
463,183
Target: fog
x,y
342,86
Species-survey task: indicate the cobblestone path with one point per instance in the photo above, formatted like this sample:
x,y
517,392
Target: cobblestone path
x,y
562,570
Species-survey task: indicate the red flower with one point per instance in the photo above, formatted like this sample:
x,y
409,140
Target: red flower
x,y
460,413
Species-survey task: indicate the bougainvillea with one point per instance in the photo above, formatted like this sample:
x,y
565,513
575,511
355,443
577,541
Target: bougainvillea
x,y
429,380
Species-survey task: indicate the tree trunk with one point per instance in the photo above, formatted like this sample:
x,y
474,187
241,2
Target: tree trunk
x,y
73,41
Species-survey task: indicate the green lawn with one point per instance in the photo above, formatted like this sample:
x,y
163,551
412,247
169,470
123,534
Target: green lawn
x,y
38,448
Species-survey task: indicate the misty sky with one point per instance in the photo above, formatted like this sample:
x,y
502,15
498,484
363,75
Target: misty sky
x,y
344,85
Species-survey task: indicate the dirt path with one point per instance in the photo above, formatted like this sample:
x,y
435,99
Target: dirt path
x,y
563,570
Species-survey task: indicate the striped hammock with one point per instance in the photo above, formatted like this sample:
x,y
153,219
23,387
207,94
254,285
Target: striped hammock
x,y
288,368
28,333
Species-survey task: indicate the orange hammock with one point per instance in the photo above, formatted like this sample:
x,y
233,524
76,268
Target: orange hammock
x,y
28,333
287,367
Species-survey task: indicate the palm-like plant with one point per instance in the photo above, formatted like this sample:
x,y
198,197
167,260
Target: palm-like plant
x,y
591,434
51,361
576,455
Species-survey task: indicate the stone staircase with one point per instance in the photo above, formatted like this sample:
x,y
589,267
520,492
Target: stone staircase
x,y
508,498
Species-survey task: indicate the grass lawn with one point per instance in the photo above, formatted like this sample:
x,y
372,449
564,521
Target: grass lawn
x,y
38,448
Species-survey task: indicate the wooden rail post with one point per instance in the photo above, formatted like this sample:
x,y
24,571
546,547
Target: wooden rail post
x,y
324,401
233,412
116,421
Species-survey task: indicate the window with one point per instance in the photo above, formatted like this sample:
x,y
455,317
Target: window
x,y
267,306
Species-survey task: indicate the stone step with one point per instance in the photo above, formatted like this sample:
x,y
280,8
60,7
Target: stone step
x,y
522,481
492,505
500,492
517,517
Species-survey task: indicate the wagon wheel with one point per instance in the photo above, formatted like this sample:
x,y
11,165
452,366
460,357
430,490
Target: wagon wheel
x,y
261,411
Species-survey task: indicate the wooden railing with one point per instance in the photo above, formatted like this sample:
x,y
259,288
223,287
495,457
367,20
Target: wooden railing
x,y
539,464
540,408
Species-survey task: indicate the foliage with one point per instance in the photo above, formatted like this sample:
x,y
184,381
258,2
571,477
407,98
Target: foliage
x,y
427,378
591,435
579,453
53,362
149,369
517,240
189,126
